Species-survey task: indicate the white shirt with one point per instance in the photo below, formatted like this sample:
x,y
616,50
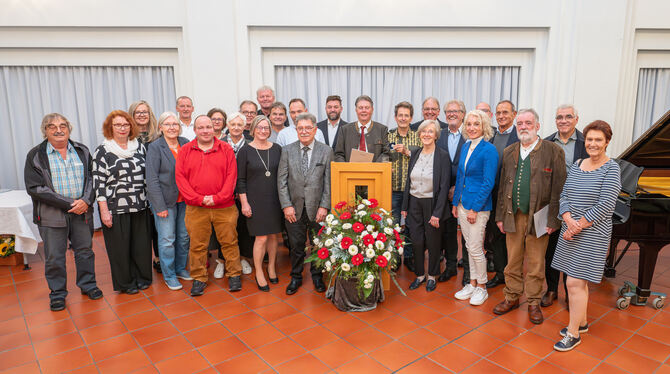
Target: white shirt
x,y
473,144
332,131
187,131
289,135
524,152
367,131
309,152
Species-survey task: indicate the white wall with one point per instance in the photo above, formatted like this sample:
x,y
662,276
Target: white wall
x,y
585,52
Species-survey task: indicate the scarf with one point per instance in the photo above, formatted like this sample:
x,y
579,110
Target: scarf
x,y
114,147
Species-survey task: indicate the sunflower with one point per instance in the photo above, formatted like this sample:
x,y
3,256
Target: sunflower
x,y
4,249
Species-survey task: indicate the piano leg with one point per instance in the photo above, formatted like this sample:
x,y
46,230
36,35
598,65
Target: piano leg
x,y
610,263
645,270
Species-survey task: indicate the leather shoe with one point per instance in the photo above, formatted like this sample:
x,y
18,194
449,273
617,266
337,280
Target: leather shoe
x,y
319,286
495,281
94,293
57,304
416,283
293,286
535,314
505,306
548,298
130,291
198,288
446,275
431,285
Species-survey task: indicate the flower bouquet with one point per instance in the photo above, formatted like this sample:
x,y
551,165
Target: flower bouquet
x,y
354,245
8,255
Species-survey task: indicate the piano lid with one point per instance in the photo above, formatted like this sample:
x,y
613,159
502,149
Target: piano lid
x,y
652,149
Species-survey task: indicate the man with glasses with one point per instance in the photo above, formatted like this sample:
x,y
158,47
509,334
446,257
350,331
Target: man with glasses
x,y
430,110
571,141
185,110
58,178
250,111
303,181
289,135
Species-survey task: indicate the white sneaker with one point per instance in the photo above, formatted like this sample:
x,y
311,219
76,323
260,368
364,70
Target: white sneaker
x,y
218,272
246,268
479,295
465,293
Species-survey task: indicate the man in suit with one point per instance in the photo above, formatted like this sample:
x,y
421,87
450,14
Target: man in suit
x,y
430,110
330,126
365,135
571,141
504,136
531,178
451,141
265,96
303,181
289,134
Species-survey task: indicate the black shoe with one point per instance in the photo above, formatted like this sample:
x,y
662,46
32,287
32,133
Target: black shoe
x,y
143,286
273,280
265,288
495,281
409,263
234,284
198,288
319,286
431,285
57,305
157,266
417,282
293,286
460,263
94,293
446,275
130,291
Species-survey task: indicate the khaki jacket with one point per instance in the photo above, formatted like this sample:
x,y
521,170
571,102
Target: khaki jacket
x,y
547,175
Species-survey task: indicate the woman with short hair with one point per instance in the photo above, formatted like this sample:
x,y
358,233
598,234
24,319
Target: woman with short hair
x,y
218,117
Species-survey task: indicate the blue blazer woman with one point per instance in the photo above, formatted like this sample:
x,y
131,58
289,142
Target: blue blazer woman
x,y
475,183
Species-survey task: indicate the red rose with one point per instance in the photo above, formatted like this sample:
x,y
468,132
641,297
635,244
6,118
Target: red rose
x,y
381,261
381,237
397,236
376,217
341,205
373,203
345,215
346,242
368,239
323,253
321,230
358,227
357,260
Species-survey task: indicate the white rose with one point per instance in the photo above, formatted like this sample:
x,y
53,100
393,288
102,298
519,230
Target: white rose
x,y
353,250
388,231
329,242
369,246
346,267
362,234
389,221
379,244
334,223
360,206
367,285
374,234
397,228
339,237
370,278
329,231
369,228
369,253
400,250
346,226
317,241
361,213
329,218
387,254
332,258
367,202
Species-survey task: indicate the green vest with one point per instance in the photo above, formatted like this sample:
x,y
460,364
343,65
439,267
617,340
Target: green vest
x,y
521,189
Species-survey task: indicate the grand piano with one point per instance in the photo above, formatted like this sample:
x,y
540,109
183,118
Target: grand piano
x,y
649,222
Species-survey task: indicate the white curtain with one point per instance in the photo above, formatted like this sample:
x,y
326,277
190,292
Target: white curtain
x,y
83,94
653,99
389,85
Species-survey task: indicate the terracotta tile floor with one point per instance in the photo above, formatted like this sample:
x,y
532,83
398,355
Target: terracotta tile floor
x,y
250,331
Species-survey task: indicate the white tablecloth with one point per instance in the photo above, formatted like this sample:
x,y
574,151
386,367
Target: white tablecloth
x,y
16,218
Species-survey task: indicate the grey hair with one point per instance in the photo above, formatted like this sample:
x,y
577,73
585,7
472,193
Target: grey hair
x,y
265,88
459,102
429,98
529,110
248,102
258,119
48,118
427,123
183,97
164,116
568,106
305,116
484,120
508,102
234,115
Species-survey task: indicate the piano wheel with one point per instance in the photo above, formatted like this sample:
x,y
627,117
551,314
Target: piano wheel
x,y
659,302
623,303
623,290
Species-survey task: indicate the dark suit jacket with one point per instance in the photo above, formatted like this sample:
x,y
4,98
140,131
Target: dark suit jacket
x,y
441,182
162,189
415,126
323,126
580,148
376,142
513,137
443,142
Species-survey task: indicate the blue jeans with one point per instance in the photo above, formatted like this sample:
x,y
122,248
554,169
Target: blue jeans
x,y
396,206
173,241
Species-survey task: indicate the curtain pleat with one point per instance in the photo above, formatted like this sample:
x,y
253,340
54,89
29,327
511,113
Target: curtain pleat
x,y
653,98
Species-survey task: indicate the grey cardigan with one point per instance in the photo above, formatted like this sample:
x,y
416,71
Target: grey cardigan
x,y
162,189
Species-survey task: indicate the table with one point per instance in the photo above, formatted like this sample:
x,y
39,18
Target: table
x,y
16,215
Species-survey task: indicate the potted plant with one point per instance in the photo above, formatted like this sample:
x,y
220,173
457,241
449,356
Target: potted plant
x,y
355,244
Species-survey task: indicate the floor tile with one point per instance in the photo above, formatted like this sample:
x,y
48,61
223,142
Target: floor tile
x,y
65,361
14,340
261,335
512,358
189,362
422,366
454,357
223,350
657,332
29,368
133,307
423,341
485,366
544,367
242,322
479,343
57,345
472,317
623,320
595,347
94,318
448,328
303,364
143,319
180,308
16,357
534,344
112,347
345,325
394,355
501,329
363,364
167,348
193,321
104,331
207,334
632,362
289,325
337,353
605,368
368,339
314,337
154,333
609,332
275,311
245,363
648,348
280,351
396,326
574,361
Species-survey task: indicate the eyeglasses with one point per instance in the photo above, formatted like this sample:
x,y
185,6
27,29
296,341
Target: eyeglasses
x,y
304,129
431,109
567,117
249,113
217,119
142,113
168,125
121,125
263,128
451,111
53,127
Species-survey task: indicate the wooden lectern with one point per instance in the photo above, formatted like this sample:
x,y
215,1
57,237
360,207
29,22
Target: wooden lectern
x,y
370,180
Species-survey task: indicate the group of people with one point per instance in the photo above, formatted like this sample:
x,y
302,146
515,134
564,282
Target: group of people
x,y
236,182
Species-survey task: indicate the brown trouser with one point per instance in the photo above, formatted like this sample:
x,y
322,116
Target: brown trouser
x,y
532,248
199,222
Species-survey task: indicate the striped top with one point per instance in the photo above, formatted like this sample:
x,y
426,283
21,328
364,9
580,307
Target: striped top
x,y
67,175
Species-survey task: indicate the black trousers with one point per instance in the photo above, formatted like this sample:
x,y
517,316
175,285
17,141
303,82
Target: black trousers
x,y
497,241
128,244
552,275
424,236
297,236
450,245
79,230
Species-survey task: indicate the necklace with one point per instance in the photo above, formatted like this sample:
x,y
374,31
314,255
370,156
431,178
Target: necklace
x,y
267,170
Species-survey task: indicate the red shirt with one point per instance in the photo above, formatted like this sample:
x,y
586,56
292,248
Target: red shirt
x,y
175,153
200,173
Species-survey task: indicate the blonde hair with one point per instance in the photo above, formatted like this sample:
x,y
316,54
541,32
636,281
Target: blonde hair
x,y
152,126
484,121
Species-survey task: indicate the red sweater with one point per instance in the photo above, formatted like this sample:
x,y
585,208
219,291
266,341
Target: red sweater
x,y
200,173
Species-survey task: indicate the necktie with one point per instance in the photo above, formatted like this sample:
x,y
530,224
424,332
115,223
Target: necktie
x,y
361,145
305,161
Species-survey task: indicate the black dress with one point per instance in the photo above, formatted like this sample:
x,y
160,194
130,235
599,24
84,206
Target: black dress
x,y
261,190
